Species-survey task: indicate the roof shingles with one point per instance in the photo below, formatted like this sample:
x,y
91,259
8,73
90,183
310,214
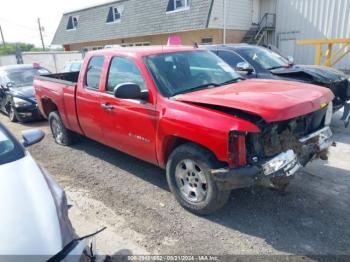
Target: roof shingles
x,y
139,18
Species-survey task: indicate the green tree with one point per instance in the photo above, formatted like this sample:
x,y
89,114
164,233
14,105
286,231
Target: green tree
x,y
10,48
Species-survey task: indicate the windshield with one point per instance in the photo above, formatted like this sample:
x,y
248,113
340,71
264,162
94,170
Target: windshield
x,y
10,150
23,77
181,72
266,58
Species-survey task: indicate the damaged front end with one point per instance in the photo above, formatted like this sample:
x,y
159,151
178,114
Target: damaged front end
x,y
280,150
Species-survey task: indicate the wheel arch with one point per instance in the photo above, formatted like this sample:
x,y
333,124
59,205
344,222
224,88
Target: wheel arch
x,y
171,142
47,106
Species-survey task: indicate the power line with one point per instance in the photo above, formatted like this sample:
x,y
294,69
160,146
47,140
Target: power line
x,y
18,25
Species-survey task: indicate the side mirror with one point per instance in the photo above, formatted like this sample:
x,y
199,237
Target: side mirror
x,y
130,91
290,60
244,67
31,137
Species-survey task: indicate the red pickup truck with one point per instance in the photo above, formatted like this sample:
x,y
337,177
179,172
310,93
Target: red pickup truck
x,y
185,110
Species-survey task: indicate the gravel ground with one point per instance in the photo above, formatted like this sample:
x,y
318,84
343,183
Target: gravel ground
x,y
131,197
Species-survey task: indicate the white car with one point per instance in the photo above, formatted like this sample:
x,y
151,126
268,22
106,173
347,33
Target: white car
x,y
73,66
34,212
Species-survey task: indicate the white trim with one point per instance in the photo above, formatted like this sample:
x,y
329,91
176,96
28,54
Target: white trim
x,y
178,10
114,22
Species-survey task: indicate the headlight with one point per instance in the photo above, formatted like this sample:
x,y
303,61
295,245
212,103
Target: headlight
x,y
329,114
20,102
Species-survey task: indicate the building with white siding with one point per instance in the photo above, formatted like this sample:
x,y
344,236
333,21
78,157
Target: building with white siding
x,y
311,19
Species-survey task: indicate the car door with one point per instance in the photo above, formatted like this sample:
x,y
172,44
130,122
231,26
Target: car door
x,y
88,99
233,59
128,125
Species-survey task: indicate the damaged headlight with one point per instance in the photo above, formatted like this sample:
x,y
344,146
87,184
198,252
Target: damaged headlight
x,y
329,114
21,102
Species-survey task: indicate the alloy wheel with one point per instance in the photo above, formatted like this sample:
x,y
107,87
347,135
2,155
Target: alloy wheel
x,y
191,181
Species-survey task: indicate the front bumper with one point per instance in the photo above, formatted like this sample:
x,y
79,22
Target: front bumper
x,y
346,114
284,164
28,113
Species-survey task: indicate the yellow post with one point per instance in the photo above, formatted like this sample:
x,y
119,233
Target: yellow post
x,y
329,55
318,54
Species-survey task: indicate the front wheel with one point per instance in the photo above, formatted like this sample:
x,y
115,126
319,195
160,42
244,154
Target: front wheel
x,y
12,114
190,179
60,133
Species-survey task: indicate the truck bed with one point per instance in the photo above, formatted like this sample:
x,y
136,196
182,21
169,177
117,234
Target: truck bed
x,y
69,78
58,91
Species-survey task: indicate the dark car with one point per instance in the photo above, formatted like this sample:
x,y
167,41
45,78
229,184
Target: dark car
x,y
259,62
17,95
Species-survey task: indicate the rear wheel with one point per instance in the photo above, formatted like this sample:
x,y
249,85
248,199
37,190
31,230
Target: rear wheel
x,y
190,179
12,114
60,133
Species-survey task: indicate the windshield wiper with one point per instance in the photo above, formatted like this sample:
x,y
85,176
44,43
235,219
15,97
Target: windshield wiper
x,y
276,67
204,86
234,80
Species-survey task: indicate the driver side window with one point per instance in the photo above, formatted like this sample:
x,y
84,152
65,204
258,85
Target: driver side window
x,y
231,58
123,70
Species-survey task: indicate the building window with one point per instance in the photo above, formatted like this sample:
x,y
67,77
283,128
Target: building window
x,y
135,44
114,14
97,48
177,5
207,41
72,23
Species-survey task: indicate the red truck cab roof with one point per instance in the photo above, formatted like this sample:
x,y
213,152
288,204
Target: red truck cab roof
x,y
140,51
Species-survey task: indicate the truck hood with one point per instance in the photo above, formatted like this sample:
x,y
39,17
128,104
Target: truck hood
x,y
29,222
317,74
272,100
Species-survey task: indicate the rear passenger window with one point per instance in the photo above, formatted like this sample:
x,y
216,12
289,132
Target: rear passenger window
x,y
94,71
123,70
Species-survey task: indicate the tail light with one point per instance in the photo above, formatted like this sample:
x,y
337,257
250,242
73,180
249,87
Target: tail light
x,y
237,149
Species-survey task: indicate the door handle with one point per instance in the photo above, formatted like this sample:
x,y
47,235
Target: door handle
x,y
106,106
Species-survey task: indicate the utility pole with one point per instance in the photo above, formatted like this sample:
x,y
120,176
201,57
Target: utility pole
x,y
2,37
41,34
224,34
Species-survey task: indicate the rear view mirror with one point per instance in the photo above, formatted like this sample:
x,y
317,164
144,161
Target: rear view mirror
x,y
130,91
31,137
244,67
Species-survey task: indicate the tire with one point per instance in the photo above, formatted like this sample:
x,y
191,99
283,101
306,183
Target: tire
x,y
12,115
189,178
59,132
